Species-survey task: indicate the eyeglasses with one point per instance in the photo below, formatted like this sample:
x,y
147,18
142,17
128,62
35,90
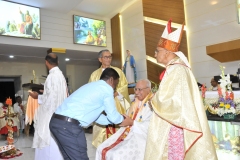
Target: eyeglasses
x,y
107,57
139,89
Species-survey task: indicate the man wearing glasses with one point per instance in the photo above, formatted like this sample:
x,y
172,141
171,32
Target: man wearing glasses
x,y
131,137
101,133
178,129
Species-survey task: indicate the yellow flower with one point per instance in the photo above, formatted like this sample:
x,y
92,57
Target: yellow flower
x,y
227,106
221,104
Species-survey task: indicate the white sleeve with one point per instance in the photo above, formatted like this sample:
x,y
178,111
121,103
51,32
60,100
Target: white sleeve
x,y
15,108
120,96
40,99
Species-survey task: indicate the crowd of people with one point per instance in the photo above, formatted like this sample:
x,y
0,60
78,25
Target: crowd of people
x,y
169,124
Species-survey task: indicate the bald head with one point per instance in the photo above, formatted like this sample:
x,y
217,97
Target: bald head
x,y
142,89
52,59
53,55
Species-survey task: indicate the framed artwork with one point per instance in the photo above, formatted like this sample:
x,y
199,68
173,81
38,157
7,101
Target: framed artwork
x,y
226,139
19,20
89,31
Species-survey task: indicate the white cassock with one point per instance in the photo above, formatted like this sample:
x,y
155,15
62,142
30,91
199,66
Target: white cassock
x,y
133,146
55,91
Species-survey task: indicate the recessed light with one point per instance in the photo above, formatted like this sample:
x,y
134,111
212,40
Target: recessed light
x,y
67,59
214,2
11,56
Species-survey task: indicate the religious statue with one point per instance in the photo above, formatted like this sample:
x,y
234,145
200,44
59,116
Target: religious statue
x,y
129,68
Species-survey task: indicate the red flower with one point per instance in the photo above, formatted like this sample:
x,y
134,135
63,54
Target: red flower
x,y
9,101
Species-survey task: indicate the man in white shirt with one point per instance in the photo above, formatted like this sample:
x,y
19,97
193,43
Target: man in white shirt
x,y
55,91
214,85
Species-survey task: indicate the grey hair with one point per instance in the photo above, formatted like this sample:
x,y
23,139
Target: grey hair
x,y
147,81
101,52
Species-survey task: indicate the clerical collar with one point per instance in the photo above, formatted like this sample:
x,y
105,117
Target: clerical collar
x,y
172,61
105,68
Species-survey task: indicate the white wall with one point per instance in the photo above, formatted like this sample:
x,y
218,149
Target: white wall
x,y
57,32
78,74
209,24
82,74
133,36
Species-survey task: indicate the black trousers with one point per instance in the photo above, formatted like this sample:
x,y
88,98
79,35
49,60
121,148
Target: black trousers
x,y
70,138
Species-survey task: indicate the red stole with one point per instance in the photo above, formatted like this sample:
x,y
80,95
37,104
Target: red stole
x,y
110,130
120,138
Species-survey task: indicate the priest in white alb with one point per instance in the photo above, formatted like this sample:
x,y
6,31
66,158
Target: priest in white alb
x,y
55,91
129,142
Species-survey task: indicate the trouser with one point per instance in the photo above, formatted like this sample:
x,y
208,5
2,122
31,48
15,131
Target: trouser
x,y
70,138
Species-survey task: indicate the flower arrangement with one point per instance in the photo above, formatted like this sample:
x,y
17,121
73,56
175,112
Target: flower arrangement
x,y
224,105
226,97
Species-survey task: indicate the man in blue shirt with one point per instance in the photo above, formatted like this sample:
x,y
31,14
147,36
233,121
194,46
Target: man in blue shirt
x,y
81,109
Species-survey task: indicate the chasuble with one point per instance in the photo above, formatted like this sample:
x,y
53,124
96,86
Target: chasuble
x,y
178,104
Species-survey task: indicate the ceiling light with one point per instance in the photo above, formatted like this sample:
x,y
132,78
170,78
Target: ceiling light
x,y
11,56
214,2
67,59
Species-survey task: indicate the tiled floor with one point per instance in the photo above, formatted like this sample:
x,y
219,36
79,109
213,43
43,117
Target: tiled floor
x,y
24,143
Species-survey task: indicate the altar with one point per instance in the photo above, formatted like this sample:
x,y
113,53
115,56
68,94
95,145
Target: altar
x,y
225,132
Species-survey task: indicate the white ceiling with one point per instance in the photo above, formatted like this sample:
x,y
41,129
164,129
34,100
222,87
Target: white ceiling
x,y
28,54
105,8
